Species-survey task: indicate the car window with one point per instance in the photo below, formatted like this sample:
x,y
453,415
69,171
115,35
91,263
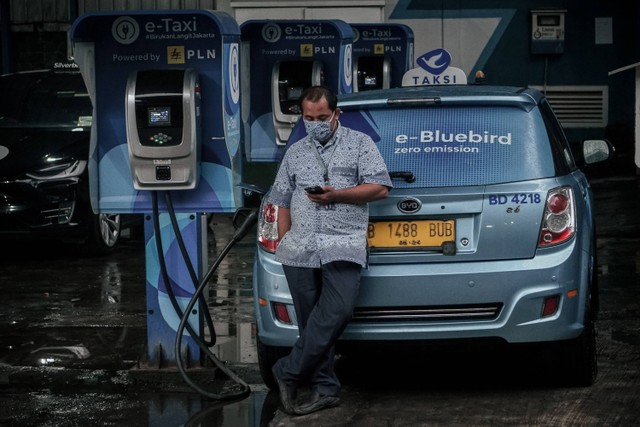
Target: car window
x,y
44,100
459,145
563,156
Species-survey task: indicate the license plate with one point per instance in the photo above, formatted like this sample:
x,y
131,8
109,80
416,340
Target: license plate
x,y
410,234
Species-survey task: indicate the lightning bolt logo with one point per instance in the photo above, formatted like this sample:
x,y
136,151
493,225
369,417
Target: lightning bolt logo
x,y
175,55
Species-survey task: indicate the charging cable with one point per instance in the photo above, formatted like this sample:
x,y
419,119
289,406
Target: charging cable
x,y
242,389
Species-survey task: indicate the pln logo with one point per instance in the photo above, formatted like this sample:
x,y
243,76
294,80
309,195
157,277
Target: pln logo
x,y
175,55
306,50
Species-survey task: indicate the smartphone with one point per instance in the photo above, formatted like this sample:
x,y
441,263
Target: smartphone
x,y
314,190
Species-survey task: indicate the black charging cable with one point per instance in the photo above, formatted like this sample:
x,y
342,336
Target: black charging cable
x,y
243,388
163,266
192,274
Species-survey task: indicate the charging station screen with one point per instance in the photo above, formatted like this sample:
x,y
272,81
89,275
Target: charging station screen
x,y
162,128
370,72
294,93
295,76
159,116
370,81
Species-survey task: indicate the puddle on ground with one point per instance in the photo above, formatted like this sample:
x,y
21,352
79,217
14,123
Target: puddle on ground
x,y
99,304
231,294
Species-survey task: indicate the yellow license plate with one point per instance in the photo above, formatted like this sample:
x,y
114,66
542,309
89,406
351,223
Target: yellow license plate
x,y
410,234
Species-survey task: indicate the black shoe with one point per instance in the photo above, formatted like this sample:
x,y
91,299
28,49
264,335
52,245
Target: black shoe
x,y
316,403
287,395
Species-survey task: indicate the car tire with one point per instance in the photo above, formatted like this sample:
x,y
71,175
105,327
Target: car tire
x,y
104,233
581,354
595,280
267,357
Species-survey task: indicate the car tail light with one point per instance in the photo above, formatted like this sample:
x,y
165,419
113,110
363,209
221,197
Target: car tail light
x,y
550,305
268,227
282,313
559,221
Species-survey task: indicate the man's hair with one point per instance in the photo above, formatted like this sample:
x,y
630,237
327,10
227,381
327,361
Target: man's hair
x,y
316,93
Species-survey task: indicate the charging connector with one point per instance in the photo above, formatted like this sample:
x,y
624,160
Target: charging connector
x,y
163,173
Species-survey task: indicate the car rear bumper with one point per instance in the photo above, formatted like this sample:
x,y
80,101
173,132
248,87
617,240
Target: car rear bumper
x,y
452,300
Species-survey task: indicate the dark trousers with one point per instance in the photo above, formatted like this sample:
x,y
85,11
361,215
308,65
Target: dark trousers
x,y
323,299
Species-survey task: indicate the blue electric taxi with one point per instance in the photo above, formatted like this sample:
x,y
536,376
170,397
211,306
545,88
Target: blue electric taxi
x,y
487,233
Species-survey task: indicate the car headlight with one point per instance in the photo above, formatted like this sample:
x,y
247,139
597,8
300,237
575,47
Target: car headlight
x,y
57,169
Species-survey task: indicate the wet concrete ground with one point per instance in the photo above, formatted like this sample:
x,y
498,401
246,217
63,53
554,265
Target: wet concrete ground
x,y
72,329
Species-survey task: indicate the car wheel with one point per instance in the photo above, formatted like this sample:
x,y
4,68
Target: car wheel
x,y
595,281
267,357
581,355
104,233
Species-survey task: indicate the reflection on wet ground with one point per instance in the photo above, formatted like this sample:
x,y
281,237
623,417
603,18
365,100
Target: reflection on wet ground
x,y
80,323
231,295
73,328
103,299
52,290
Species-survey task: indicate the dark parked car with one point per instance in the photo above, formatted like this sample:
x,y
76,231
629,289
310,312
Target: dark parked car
x,y
45,124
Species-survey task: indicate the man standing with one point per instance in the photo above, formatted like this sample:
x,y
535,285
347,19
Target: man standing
x,y
322,189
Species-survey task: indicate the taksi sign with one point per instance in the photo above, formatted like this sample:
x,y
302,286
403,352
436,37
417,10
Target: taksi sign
x,y
434,68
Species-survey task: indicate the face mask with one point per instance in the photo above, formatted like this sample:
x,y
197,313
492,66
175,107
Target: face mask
x,y
320,131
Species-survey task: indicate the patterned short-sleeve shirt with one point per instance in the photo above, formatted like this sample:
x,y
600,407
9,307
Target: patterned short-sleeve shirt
x,y
321,234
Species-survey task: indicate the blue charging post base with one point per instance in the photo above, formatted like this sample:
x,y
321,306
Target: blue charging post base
x,y
162,319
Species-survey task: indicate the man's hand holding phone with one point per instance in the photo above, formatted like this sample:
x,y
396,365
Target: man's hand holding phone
x,y
321,195
314,190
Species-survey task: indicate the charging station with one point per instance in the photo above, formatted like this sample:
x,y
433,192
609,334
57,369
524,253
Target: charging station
x,y
382,53
165,88
281,58
163,121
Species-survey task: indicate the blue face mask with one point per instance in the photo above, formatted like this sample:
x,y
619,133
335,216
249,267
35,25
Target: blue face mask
x,y
320,131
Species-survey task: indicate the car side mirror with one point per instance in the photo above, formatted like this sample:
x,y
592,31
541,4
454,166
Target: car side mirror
x,y
596,151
